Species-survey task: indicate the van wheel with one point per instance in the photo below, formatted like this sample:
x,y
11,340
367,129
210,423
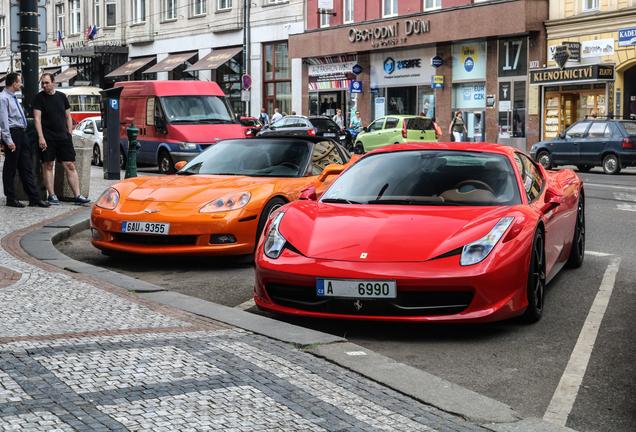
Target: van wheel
x,y
611,165
122,159
166,166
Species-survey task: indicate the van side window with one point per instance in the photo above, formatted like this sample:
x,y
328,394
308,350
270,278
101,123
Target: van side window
x,y
150,111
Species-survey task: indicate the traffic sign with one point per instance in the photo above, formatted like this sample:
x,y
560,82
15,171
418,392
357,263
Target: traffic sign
x,y
15,28
247,82
246,95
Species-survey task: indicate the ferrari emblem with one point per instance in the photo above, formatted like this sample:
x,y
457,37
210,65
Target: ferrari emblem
x,y
151,211
358,305
363,256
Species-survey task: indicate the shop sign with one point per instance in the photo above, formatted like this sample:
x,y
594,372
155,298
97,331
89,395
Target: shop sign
x,y
627,37
379,107
470,95
473,92
46,61
404,67
491,101
610,104
561,55
437,81
356,69
387,35
575,50
355,86
331,68
469,61
597,48
580,73
437,61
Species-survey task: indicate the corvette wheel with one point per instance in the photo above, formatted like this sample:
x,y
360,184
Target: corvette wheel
x,y
611,164
536,280
272,205
545,160
577,253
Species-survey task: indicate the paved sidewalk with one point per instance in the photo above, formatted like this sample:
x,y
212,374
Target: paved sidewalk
x,y
80,351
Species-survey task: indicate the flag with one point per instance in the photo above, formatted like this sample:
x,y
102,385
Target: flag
x,y
59,37
91,36
88,32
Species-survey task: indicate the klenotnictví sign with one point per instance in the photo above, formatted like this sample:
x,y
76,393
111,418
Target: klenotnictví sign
x,y
580,73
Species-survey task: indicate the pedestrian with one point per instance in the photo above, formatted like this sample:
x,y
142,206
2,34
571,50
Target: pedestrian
x,y
356,122
293,113
457,127
277,116
594,114
15,142
263,118
338,118
438,130
52,114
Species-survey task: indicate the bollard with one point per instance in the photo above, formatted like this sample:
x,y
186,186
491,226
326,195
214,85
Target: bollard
x,y
133,146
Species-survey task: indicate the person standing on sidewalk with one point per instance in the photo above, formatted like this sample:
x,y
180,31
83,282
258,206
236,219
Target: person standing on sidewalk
x,y
15,141
277,116
52,114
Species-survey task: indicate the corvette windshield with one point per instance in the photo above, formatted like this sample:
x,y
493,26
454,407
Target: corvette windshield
x,y
428,177
252,157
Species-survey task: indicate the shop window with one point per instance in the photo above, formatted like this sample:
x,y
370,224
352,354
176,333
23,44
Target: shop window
x,y
199,7
348,11
277,82
432,4
590,5
111,14
228,77
389,8
426,101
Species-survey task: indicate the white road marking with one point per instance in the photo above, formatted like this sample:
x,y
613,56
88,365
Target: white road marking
x,y
246,305
609,186
628,207
622,196
568,388
598,254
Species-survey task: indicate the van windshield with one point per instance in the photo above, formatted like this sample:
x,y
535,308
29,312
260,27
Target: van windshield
x,y
197,109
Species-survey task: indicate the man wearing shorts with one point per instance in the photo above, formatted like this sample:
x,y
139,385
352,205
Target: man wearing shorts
x,y
52,114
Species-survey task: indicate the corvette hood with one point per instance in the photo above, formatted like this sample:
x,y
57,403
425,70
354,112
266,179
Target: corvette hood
x,y
191,189
384,233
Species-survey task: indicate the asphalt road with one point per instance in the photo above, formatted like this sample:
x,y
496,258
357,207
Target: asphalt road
x,y
518,364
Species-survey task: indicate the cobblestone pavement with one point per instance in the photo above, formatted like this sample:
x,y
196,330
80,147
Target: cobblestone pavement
x,y
81,354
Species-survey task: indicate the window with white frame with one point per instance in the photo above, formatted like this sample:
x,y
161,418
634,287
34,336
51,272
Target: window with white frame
x,y
325,18
97,16
170,7
432,4
139,11
111,13
389,7
76,16
198,7
3,31
60,19
348,11
225,4
590,5
277,1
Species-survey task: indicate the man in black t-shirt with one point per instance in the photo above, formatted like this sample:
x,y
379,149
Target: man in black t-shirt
x,y
52,114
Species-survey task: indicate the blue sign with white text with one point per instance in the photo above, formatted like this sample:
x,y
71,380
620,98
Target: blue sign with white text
x,y
437,61
355,86
356,69
627,37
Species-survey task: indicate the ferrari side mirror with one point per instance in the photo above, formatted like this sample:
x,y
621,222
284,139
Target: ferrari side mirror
x,y
309,193
552,200
333,169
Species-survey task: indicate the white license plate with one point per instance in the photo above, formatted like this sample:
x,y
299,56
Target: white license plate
x,y
342,137
329,134
356,288
145,227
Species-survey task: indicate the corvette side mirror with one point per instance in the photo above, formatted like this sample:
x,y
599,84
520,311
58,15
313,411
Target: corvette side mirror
x,y
333,169
552,200
180,165
309,193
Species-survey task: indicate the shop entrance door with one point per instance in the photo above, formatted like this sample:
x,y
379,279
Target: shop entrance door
x,y
512,113
327,102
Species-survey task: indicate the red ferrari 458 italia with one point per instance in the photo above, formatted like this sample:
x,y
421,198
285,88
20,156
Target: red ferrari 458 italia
x,y
454,232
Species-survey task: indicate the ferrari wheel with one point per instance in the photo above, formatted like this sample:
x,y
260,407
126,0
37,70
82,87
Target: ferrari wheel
x,y
545,160
577,253
272,205
536,280
611,165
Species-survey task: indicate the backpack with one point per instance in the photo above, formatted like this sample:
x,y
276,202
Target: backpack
x,y
261,118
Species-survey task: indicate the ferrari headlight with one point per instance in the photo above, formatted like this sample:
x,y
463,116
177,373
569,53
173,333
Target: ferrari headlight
x,y
275,242
187,145
477,251
109,199
227,203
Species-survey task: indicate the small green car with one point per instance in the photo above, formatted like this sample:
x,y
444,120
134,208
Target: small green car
x,y
395,129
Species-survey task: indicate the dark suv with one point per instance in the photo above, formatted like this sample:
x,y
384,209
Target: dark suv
x,y
589,143
301,125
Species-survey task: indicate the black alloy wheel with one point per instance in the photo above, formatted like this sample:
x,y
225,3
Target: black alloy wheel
x,y
359,148
611,164
545,159
96,159
166,166
272,205
577,253
536,280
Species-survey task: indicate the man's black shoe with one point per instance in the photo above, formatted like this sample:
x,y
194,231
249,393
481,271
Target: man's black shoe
x,y
14,203
39,204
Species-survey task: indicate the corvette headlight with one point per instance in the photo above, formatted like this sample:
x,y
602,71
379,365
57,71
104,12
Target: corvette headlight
x,y
187,145
477,251
109,199
275,242
227,203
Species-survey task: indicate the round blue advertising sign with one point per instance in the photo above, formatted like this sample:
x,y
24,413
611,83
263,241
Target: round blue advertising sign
x,y
356,69
469,64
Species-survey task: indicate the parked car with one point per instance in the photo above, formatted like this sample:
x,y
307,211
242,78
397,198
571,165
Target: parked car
x,y
395,129
88,133
251,126
589,143
302,125
218,203
456,232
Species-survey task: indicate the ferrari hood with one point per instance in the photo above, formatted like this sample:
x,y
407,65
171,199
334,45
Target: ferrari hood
x,y
191,189
384,233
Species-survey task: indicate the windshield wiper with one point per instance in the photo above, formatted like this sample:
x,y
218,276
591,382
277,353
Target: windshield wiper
x,y
413,202
338,200
211,120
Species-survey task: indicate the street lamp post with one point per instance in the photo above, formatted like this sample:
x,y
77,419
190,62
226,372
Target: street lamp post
x,y
245,22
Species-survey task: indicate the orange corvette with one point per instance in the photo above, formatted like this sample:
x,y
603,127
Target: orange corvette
x,y
218,203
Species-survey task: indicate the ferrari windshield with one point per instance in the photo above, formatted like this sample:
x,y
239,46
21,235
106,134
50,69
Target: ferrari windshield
x,y
201,109
252,157
428,177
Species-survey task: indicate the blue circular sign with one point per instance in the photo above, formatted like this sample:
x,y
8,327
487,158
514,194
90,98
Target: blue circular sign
x,y
356,69
469,64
